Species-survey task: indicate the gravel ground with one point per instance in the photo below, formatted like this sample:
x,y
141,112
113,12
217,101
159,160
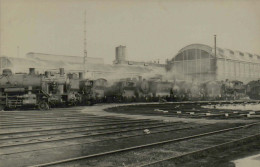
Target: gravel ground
x,y
21,159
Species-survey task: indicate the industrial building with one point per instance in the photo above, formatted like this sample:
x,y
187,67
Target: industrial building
x,y
205,63
121,59
65,58
95,67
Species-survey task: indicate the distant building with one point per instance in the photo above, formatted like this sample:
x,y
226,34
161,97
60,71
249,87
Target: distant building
x,y
95,67
198,62
64,58
19,64
120,59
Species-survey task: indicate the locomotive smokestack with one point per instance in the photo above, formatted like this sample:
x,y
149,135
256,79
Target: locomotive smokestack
x,y
80,75
215,45
32,71
47,73
61,71
140,78
7,72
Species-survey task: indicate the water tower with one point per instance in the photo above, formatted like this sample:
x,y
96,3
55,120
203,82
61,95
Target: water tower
x,y
120,54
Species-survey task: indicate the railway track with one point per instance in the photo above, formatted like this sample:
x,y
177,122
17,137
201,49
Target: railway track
x,y
4,120
85,124
11,125
72,133
114,152
106,138
53,133
20,118
165,162
193,110
70,127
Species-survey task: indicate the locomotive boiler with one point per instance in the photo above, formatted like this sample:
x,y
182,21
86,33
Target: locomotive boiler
x,y
181,90
19,90
62,89
122,90
143,90
212,90
98,90
92,91
233,90
161,90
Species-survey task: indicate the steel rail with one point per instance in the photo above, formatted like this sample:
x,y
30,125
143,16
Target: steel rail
x,y
79,131
192,153
74,127
66,123
60,121
129,136
17,118
143,146
83,136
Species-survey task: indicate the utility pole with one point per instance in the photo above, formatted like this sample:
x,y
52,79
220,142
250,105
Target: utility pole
x,y
215,58
215,45
85,44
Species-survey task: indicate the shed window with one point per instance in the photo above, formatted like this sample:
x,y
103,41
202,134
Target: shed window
x,y
179,57
191,54
231,52
204,54
221,50
241,54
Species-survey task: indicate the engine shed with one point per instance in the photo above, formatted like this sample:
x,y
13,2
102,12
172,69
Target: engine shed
x,y
200,62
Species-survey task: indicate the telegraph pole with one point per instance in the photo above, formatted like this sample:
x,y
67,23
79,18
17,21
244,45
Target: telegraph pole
x,y
215,54
215,45
85,44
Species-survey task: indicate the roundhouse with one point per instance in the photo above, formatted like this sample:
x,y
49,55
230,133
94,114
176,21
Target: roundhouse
x,y
200,62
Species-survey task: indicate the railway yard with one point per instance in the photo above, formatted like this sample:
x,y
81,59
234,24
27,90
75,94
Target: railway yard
x,y
129,84
151,134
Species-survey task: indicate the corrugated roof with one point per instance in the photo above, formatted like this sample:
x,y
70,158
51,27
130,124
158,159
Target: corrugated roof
x,y
23,65
64,58
225,53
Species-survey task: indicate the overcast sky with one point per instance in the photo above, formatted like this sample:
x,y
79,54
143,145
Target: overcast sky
x,y
150,29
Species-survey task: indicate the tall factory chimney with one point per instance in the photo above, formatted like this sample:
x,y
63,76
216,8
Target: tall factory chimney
x,y
215,45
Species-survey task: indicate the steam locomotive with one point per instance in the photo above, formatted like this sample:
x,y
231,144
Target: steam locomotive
x,y
48,90
122,90
92,91
138,90
223,90
253,90
18,90
52,89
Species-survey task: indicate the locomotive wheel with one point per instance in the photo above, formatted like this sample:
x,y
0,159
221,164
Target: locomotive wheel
x,y
75,103
43,105
2,107
88,103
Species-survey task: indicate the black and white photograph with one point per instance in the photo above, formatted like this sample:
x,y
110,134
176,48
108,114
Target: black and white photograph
x,y
129,83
